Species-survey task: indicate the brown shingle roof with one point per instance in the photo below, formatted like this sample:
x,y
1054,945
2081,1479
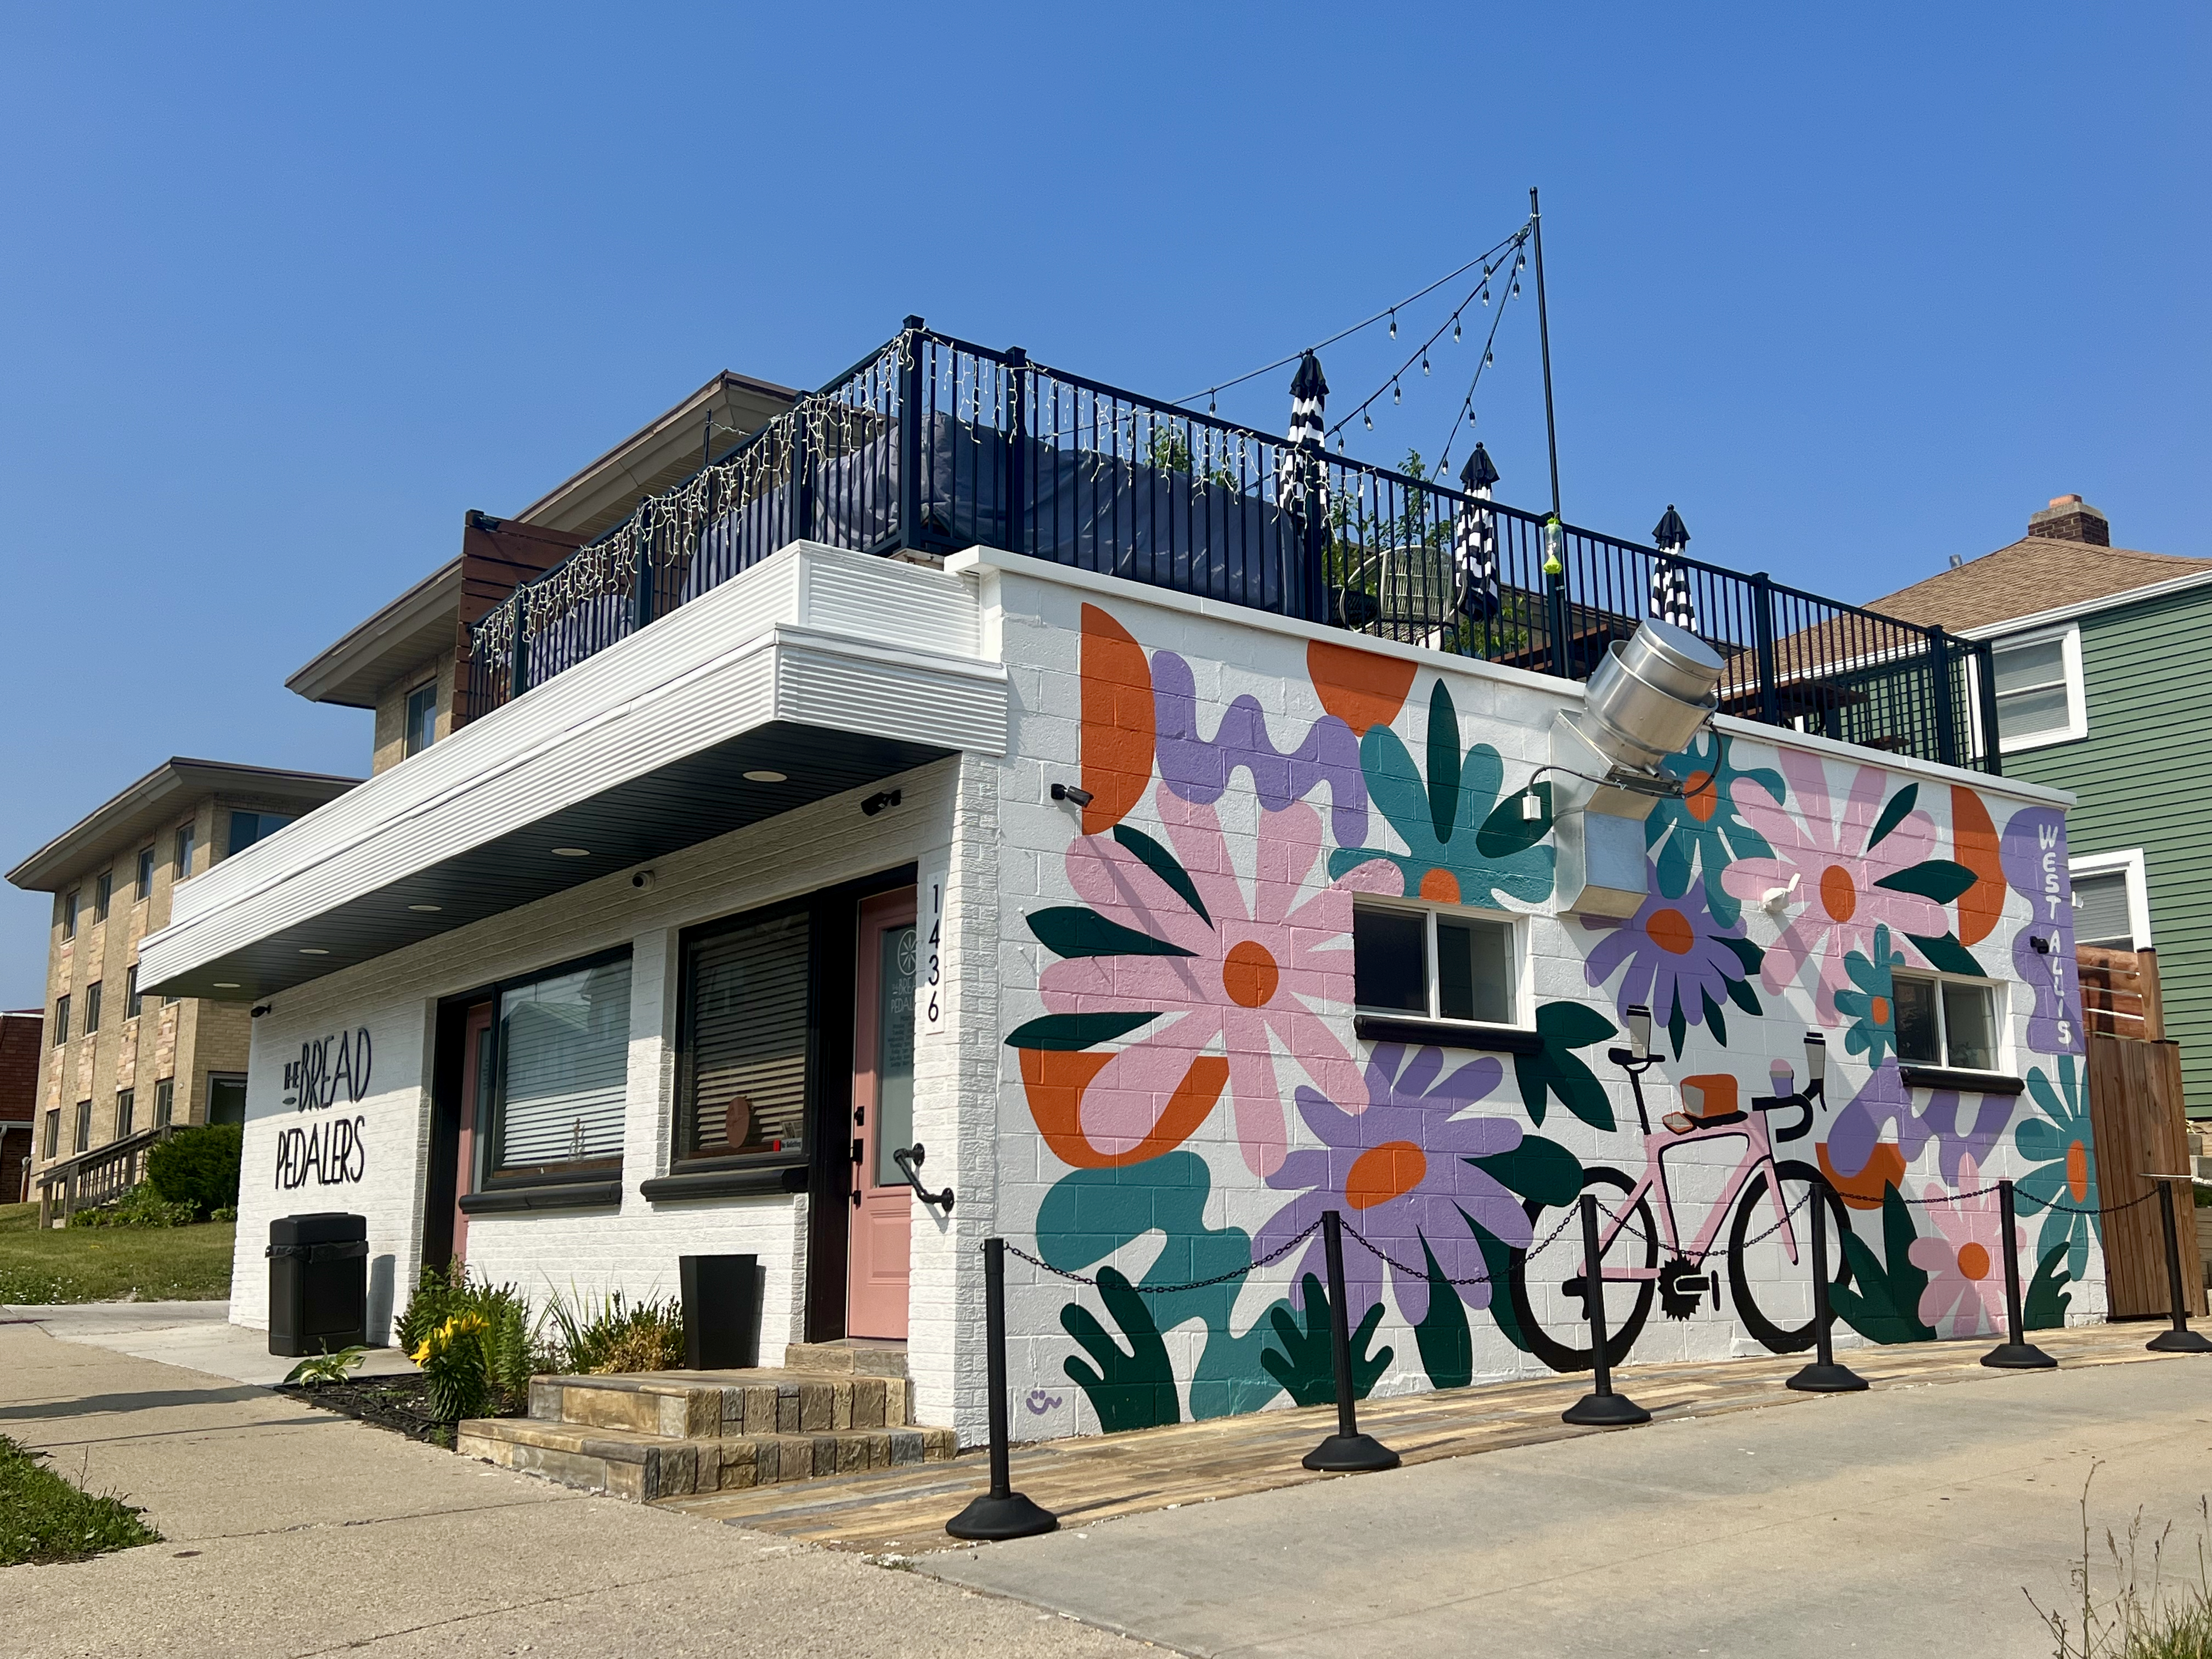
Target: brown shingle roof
x,y
2033,574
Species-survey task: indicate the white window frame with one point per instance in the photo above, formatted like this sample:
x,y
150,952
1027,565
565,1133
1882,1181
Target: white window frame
x,y
1516,959
2129,863
2069,636
2000,996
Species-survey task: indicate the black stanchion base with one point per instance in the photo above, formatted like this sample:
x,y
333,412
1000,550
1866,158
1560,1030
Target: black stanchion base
x,y
2019,1357
1351,1454
2179,1342
1817,1378
989,1520
1605,1411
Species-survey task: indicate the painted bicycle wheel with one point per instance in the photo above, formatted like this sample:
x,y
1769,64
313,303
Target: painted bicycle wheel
x,y
1773,1292
1549,1293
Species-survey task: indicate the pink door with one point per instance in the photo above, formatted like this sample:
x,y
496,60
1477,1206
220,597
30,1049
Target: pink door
x,y
883,1118
475,1111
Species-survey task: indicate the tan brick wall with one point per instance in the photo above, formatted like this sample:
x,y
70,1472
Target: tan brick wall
x,y
389,744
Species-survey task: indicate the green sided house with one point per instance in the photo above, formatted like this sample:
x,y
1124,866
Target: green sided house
x,y
2100,658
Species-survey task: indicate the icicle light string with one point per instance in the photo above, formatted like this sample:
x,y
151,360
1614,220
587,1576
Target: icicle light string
x,y
1388,313
1420,353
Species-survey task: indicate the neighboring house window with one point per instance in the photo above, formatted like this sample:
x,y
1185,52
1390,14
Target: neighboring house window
x,y
72,901
84,1140
1947,1022
133,1004
563,1068
183,852
165,1102
2038,685
226,1097
127,1108
53,1133
742,1066
2111,901
247,828
1436,964
92,1008
422,718
103,895
145,886
61,1020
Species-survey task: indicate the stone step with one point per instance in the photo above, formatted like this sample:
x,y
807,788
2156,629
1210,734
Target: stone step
x,y
646,1468
857,1357
714,1405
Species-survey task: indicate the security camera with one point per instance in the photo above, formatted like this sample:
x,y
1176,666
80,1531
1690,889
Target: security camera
x,y
881,798
1068,791
643,880
261,1008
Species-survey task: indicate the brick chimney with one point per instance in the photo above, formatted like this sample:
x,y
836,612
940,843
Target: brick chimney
x,y
2070,518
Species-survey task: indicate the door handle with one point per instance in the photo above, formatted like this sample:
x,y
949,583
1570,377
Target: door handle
x,y
858,1150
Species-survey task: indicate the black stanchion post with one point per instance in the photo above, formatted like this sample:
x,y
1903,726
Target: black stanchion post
x,y
1347,1451
2180,1338
2016,1352
1823,1375
1001,1512
1601,1408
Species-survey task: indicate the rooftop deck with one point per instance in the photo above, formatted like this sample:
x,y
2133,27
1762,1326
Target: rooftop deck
x,y
930,445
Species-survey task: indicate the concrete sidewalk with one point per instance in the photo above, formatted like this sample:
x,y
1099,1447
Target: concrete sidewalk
x,y
197,1335
289,1531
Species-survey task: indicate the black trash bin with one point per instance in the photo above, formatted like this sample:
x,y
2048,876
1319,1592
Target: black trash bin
x,y
721,1311
317,1283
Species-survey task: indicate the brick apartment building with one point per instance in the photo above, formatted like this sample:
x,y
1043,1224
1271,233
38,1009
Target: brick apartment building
x,y
19,1093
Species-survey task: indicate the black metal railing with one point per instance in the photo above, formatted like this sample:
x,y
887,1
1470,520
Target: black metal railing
x,y
1004,453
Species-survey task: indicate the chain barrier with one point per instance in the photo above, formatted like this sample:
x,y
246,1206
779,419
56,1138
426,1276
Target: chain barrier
x,y
2075,1209
1273,1256
1947,1198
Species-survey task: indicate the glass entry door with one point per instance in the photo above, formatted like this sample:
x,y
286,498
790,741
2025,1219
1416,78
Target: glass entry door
x,y
883,1118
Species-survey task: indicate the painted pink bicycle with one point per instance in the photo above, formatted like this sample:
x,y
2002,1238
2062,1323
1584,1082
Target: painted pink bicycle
x,y
1767,1198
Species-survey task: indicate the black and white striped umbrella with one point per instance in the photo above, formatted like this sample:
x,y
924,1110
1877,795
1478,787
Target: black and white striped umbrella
x,y
1306,451
1671,598
1474,538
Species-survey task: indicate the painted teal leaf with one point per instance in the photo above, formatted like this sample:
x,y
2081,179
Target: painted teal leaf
x,y
1893,814
1164,865
1937,878
1946,955
1067,1032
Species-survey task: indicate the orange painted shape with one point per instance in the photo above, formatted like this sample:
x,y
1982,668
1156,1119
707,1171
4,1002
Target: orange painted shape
x,y
1248,974
1360,687
1440,887
1699,799
1974,1261
1878,1010
1839,896
2077,1171
1671,932
1054,1079
1709,1094
1118,733
1885,1167
1382,1173
1974,844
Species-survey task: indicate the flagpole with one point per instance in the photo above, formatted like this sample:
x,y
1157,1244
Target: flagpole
x,y
1544,335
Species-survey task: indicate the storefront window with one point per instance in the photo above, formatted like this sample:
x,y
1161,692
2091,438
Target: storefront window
x,y
743,1086
563,1068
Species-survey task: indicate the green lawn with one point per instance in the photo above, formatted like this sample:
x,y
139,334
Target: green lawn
x,y
44,1518
107,1264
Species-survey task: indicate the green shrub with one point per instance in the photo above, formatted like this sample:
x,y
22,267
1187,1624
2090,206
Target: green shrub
x,y
600,1337
142,1206
198,1167
502,1340
455,1368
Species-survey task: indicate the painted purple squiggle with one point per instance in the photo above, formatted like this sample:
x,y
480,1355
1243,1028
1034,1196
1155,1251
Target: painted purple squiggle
x,y
1198,769
2033,850
1884,1100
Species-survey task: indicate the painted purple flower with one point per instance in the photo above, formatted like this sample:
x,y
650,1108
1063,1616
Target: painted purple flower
x,y
1683,963
1198,769
1399,1175
1961,1132
2033,853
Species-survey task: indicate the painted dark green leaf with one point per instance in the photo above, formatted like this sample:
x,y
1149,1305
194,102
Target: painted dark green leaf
x,y
1443,761
1716,1022
1553,1070
1131,1389
1678,1023
1881,1301
1946,955
1066,1032
1505,832
1305,1363
1164,865
1447,1345
1573,1024
1751,956
1937,878
1741,994
1893,814
1072,930
1498,1262
2044,1308
1539,1169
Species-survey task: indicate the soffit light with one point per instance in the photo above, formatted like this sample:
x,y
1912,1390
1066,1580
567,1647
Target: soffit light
x,y
427,909
313,950
572,852
764,775
226,985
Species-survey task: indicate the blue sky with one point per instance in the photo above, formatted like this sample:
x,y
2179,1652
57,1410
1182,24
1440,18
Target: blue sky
x,y
286,290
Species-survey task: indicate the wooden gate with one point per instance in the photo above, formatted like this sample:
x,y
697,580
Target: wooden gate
x,y
2135,1113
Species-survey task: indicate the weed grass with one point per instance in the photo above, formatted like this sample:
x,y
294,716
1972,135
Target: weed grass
x,y
111,1264
45,1518
2152,1612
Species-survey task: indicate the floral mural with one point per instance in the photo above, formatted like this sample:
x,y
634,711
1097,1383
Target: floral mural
x,y
1192,1065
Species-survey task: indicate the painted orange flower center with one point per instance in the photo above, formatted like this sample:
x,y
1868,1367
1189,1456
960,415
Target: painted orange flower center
x,y
1839,895
1974,1261
1382,1173
1878,1010
1671,932
1248,974
1440,887
1699,799
2077,1170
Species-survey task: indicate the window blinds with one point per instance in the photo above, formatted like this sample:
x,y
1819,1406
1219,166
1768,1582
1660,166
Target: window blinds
x,y
745,1056
564,1065
2100,911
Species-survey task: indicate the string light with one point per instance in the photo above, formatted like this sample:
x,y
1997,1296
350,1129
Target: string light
x,y
1370,419
1396,397
1455,330
1424,363
1394,325
1489,358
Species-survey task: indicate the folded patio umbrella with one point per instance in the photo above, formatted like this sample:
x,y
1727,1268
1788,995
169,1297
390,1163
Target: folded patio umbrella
x,y
1474,538
1671,598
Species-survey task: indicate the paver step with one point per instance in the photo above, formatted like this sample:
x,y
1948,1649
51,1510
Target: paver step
x,y
712,1405
644,1468
852,1357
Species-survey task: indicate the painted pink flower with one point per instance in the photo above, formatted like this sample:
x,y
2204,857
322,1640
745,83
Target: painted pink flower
x,y
1828,876
1963,1259
1229,981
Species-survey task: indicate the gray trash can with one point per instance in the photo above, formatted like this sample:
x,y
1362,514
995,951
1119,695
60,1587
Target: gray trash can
x,y
317,1283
